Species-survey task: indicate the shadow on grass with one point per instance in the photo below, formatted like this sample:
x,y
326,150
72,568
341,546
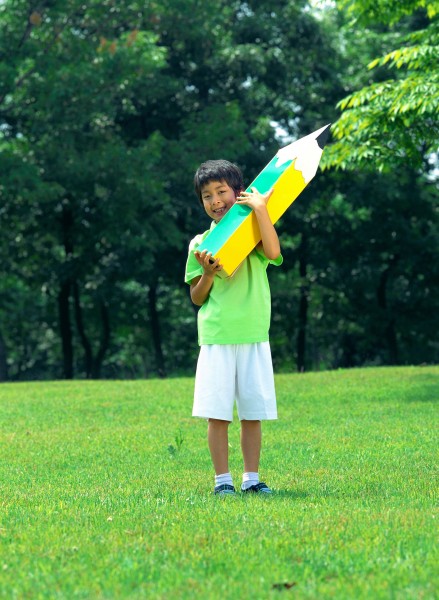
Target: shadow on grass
x,y
426,390
291,494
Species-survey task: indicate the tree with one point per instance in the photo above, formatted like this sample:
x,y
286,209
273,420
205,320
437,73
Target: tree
x,y
70,73
107,110
393,121
358,242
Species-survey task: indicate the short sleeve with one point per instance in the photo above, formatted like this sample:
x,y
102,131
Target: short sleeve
x,y
193,267
261,254
277,261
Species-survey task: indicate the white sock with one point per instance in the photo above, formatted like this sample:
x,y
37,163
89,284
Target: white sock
x,y
249,479
224,478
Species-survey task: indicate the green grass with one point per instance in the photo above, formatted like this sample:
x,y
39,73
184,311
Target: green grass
x,y
101,498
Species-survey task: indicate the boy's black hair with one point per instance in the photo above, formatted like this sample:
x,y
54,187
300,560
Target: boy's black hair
x,y
218,170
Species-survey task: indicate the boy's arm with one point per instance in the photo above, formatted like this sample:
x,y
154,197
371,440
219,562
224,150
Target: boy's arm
x,y
258,202
201,286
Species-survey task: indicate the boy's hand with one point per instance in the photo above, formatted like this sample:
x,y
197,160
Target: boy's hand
x,y
205,258
254,199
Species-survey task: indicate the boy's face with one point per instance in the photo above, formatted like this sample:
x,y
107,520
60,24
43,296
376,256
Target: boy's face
x,y
218,197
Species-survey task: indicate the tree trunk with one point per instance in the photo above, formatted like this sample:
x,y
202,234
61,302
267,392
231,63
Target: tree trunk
x,y
303,306
81,331
66,330
92,365
3,360
389,330
105,341
155,330
348,352
64,295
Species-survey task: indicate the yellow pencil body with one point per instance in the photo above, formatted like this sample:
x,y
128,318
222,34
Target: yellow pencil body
x,y
247,235
288,173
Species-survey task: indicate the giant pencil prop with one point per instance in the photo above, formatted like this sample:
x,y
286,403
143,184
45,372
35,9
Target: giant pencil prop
x,y
288,173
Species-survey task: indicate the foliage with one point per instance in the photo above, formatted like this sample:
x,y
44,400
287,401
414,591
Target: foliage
x,y
393,121
95,505
371,271
77,72
107,109
385,11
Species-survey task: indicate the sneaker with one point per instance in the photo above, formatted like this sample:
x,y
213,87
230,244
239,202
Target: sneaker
x,y
224,490
259,488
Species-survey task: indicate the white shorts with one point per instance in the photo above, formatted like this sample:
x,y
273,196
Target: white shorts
x,y
226,372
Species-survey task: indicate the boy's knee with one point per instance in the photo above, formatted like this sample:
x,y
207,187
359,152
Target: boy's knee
x,y
219,422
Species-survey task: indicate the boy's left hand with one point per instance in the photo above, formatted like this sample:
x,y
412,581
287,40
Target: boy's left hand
x,y
254,199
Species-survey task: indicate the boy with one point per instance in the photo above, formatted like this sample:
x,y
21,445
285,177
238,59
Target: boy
x,y
233,324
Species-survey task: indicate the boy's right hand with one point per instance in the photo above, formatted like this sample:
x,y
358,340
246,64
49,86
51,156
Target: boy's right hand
x,y
205,258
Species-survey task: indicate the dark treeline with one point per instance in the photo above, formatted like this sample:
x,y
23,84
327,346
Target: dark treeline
x,y
107,109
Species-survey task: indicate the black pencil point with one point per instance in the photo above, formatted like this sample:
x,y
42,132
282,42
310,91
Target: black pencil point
x,y
323,137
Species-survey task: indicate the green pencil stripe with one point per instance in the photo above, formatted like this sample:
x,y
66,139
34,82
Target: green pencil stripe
x,y
268,176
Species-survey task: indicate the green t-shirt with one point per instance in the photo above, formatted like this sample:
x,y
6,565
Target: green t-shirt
x,y
238,308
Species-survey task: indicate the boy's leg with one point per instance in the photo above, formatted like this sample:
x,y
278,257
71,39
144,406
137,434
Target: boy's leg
x,y
256,401
251,437
218,439
214,400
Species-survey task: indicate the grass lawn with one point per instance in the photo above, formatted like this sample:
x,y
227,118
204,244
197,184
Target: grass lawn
x,y
106,492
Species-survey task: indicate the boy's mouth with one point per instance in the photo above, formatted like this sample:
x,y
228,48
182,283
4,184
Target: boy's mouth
x,y
219,212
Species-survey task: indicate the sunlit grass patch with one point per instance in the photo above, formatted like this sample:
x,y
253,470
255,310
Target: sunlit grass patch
x,y
106,491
